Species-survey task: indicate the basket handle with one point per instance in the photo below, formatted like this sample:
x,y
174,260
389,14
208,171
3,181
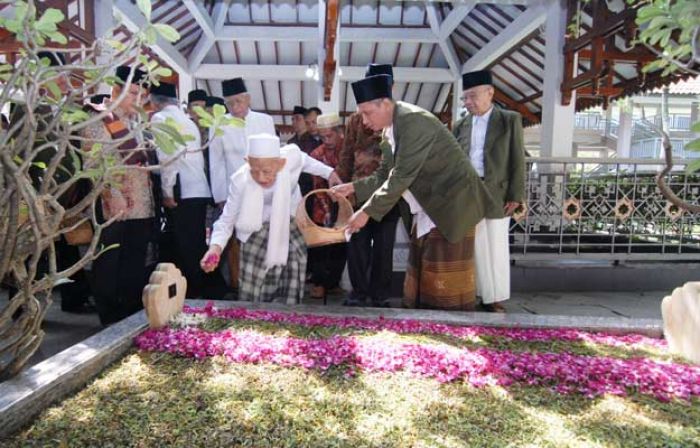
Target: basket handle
x,y
303,215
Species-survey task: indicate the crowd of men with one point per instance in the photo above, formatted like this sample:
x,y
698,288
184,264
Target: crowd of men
x,y
455,192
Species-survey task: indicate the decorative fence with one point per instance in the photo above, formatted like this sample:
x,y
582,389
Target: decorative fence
x,y
608,209
598,209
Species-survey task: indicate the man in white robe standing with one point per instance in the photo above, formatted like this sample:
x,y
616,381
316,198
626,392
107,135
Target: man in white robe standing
x,y
227,153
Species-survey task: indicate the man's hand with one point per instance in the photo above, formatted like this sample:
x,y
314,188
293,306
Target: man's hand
x,y
169,203
510,207
357,221
334,180
211,259
343,190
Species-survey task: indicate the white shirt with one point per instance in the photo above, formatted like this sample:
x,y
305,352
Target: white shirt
x,y
480,124
423,222
226,153
189,160
223,227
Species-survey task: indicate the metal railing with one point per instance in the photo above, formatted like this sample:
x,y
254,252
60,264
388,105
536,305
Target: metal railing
x,y
641,129
676,122
605,209
651,148
598,210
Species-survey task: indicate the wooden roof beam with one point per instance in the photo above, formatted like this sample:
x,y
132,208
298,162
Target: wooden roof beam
x,y
516,32
329,42
516,106
445,43
310,34
209,26
134,21
298,73
455,18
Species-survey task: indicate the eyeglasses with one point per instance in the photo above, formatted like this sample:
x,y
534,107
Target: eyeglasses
x,y
473,94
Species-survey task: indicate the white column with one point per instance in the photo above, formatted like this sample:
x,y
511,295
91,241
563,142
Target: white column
x,y
557,120
104,27
694,112
624,133
456,99
185,83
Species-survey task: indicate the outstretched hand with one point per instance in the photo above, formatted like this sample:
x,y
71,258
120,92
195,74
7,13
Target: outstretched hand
x,y
334,180
211,259
510,207
343,190
357,221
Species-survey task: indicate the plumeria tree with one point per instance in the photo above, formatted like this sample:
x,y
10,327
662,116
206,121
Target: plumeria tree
x,y
43,158
671,29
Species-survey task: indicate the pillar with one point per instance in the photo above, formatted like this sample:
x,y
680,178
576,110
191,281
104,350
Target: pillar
x,y
557,120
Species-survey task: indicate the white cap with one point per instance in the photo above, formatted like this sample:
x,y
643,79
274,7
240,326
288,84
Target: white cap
x,y
327,121
263,146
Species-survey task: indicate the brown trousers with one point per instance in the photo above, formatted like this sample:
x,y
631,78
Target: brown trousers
x,y
440,274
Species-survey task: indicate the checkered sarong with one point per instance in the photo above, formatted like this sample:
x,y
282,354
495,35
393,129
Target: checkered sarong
x,y
281,283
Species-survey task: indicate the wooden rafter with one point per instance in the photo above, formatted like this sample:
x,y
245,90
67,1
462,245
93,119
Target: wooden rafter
x,y
330,37
597,46
515,105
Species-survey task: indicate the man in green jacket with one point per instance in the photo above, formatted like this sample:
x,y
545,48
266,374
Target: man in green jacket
x,y
422,164
492,139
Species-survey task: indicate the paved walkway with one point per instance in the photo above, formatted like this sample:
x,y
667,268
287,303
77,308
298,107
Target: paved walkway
x,y
65,329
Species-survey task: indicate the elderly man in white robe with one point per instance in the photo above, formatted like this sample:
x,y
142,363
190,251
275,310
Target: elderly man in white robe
x,y
227,153
262,200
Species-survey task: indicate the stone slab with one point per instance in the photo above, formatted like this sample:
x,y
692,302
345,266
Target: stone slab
x,y
36,388
614,325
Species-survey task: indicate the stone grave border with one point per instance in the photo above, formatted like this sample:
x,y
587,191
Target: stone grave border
x,y
23,397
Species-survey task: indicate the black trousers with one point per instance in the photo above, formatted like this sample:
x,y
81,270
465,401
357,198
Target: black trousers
x,y
370,260
327,264
189,229
75,294
121,273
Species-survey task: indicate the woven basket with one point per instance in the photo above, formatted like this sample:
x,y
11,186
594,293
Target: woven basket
x,y
315,235
80,235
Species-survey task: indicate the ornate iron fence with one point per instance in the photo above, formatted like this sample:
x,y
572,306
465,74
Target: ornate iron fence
x,y
607,209
598,209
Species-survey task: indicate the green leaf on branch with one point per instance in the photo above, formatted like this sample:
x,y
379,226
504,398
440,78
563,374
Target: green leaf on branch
x,y
647,13
52,15
693,166
53,88
117,45
162,72
695,127
145,8
150,36
202,113
164,143
40,165
167,32
57,37
74,115
693,145
218,110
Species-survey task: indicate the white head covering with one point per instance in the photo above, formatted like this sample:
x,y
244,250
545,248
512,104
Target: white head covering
x,y
327,121
263,146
